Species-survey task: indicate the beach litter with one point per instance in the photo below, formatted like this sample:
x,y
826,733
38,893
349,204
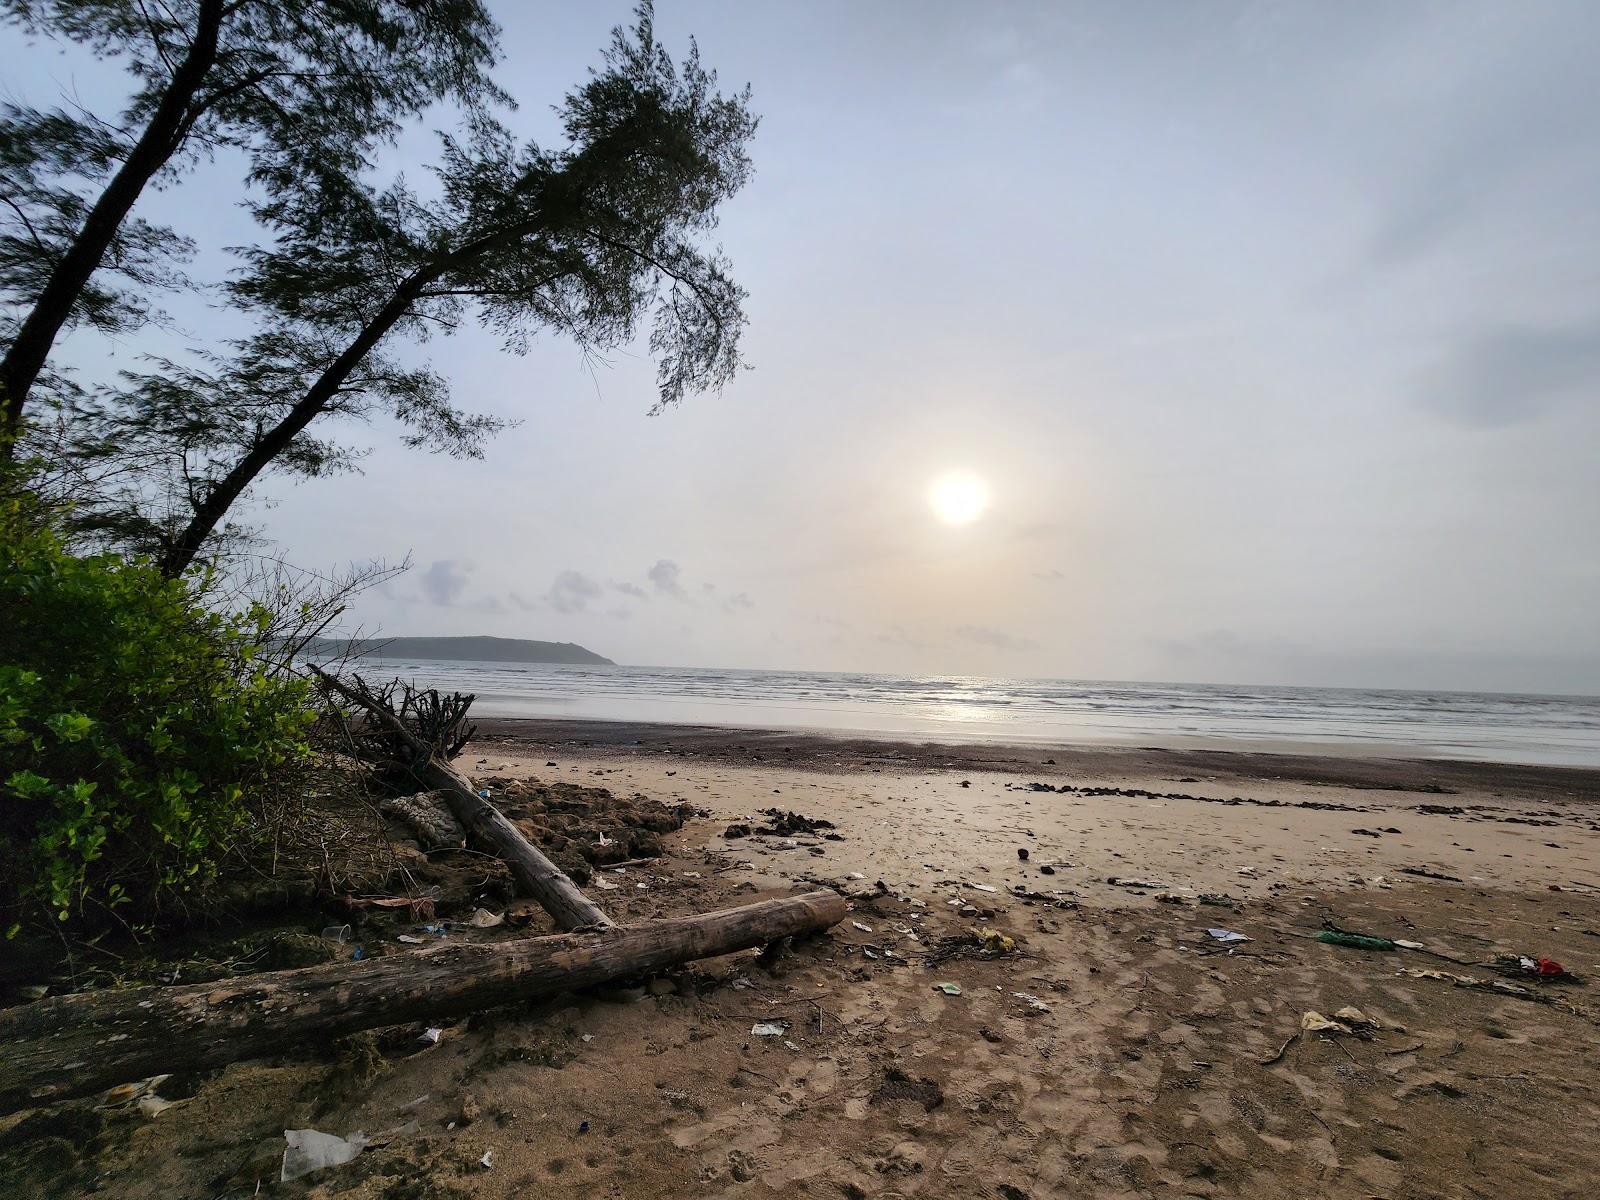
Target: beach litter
x,y
861,927
482,918
1120,881
770,1028
1543,969
430,1036
995,942
311,1150
487,1161
1355,941
1348,1021
949,989
1227,935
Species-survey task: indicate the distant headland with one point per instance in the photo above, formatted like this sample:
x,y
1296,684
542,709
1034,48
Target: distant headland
x,y
470,649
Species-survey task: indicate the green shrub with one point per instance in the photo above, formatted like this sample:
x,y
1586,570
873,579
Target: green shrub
x,y
138,728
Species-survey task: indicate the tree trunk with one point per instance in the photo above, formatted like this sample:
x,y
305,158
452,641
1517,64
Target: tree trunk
x,y
162,135
536,875
176,558
77,1045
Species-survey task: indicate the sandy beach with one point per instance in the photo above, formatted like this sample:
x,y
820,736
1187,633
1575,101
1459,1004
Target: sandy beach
x,y
1119,1050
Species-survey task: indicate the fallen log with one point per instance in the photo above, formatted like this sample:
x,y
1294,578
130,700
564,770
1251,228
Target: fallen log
x,y
80,1044
535,874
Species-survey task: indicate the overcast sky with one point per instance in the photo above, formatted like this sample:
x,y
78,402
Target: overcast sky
x,y
1273,327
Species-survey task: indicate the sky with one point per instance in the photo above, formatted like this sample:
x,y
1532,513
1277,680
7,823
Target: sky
x,y
1272,329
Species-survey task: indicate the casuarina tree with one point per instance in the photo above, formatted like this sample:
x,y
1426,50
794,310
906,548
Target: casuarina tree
x,y
589,240
305,89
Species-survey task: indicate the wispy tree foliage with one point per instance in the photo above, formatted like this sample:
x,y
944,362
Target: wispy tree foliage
x,y
305,89
588,240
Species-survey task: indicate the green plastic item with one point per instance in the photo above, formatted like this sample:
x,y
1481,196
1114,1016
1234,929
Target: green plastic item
x,y
1356,941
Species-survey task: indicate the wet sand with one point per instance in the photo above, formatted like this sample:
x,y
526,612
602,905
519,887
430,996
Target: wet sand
x,y
1120,1051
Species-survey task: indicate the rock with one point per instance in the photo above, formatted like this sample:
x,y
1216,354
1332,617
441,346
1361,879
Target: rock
x,y
470,1111
737,830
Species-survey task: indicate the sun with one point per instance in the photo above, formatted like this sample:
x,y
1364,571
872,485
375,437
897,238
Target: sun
x,y
958,497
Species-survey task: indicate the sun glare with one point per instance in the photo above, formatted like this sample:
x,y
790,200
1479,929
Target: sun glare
x,y
958,498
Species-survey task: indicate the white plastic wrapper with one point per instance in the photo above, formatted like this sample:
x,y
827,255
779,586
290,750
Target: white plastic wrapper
x,y
312,1150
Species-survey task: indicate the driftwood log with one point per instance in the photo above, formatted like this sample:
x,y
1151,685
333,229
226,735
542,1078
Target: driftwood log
x,y
77,1045
536,875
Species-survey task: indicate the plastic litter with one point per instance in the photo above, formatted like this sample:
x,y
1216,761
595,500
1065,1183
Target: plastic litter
x,y
1119,881
1033,1003
604,885
1472,981
1355,941
1354,1017
125,1093
996,942
409,940
1347,1020
860,926
949,989
482,918
770,1028
982,887
431,1036
487,1161
312,1150
1542,968
583,1127
339,933
1227,935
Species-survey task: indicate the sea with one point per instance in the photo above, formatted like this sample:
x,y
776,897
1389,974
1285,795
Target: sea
x,y
1557,730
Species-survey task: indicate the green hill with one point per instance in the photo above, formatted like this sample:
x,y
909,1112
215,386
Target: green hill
x,y
468,649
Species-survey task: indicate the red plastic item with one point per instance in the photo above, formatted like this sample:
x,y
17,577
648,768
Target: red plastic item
x,y
1548,966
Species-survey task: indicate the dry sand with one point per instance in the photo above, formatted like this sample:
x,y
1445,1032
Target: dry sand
x,y
1119,1053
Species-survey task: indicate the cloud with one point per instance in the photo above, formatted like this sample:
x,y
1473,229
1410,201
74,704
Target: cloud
x,y
665,577
632,589
1513,375
1209,643
896,636
571,592
738,601
996,638
444,580
1050,576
